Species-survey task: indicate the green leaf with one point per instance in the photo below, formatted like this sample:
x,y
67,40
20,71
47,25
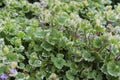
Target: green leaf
x,y
21,57
78,59
104,69
46,46
70,75
62,18
3,69
12,57
28,68
58,61
20,34
113,69
29,30
40,34
62,42
92,74
16,41
46,54
60,55
20,76
100,29
99,76
87,56
35,63
109,77
21,65
33,55
97,42
51,40
40,74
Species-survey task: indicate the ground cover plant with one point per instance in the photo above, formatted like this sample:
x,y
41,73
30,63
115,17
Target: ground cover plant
x,y
59,40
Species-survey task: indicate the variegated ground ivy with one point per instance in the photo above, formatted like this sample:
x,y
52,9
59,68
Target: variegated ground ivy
x,y
59,40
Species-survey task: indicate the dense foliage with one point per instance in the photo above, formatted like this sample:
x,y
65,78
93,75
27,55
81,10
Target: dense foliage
x,y
59,40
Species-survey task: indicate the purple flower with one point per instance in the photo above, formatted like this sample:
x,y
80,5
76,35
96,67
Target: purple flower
x,y
43,24
43,4
13,72
4,76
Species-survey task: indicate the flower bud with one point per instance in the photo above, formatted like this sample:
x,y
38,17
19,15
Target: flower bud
x,y
6,50
13,64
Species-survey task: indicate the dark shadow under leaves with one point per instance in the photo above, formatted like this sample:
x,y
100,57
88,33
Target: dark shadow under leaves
x,y
32,1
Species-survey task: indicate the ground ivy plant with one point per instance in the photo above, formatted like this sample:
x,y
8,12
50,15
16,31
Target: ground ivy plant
x,y
59,40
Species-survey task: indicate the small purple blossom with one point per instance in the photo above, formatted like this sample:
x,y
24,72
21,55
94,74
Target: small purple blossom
x,y
4,76
43,24
43,4
13,72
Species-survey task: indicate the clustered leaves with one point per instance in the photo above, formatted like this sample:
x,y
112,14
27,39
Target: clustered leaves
x,y
59,40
